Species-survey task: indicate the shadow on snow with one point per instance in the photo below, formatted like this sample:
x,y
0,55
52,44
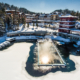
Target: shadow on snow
x,y
37,73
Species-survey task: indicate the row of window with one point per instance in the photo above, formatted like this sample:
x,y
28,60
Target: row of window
x,y
67,19
67,23
63,30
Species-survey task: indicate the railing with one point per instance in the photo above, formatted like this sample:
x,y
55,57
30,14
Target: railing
x,y
59,53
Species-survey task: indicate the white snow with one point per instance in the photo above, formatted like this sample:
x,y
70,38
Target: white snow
x,y
10,10
13,62
61,39
32,29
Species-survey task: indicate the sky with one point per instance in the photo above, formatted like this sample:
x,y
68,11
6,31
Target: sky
x,y
45,6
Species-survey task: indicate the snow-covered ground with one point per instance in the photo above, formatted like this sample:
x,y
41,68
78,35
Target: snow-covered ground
x,y
13,61
3,38
33,29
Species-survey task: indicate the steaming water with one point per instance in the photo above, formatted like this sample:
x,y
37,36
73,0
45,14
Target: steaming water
x,y
46,50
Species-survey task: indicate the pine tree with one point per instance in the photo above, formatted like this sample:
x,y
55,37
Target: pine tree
x,y
11,22
2,28
79,16
8,23
28,25
23,21
3,10
73,13
77,13
33,24
37,24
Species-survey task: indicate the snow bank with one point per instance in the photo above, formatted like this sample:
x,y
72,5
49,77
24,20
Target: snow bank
x,y
4,44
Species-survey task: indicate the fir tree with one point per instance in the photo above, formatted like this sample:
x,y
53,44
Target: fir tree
x,y
36,24
28,25
2,28
23,21
33,24
8,23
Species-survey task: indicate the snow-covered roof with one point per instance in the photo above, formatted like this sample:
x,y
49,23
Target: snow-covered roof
x,y
10,10
20,13
29,17
33,14
27,14
68,15
61,39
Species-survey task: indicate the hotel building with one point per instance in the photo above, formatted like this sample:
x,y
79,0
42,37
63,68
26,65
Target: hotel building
x,y
66,23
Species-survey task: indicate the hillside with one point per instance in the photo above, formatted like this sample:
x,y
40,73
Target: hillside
x,y
67,11
12,7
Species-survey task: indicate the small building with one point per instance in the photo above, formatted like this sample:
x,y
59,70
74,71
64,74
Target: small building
x,y
31,17
45,17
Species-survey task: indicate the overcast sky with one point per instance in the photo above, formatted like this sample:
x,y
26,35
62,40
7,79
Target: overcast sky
x,y
45,6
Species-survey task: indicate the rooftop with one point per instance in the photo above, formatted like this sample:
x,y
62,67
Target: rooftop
x,y
68,15
11,10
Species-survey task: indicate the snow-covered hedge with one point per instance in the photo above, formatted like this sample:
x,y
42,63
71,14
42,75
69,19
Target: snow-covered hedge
x,y
4,44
